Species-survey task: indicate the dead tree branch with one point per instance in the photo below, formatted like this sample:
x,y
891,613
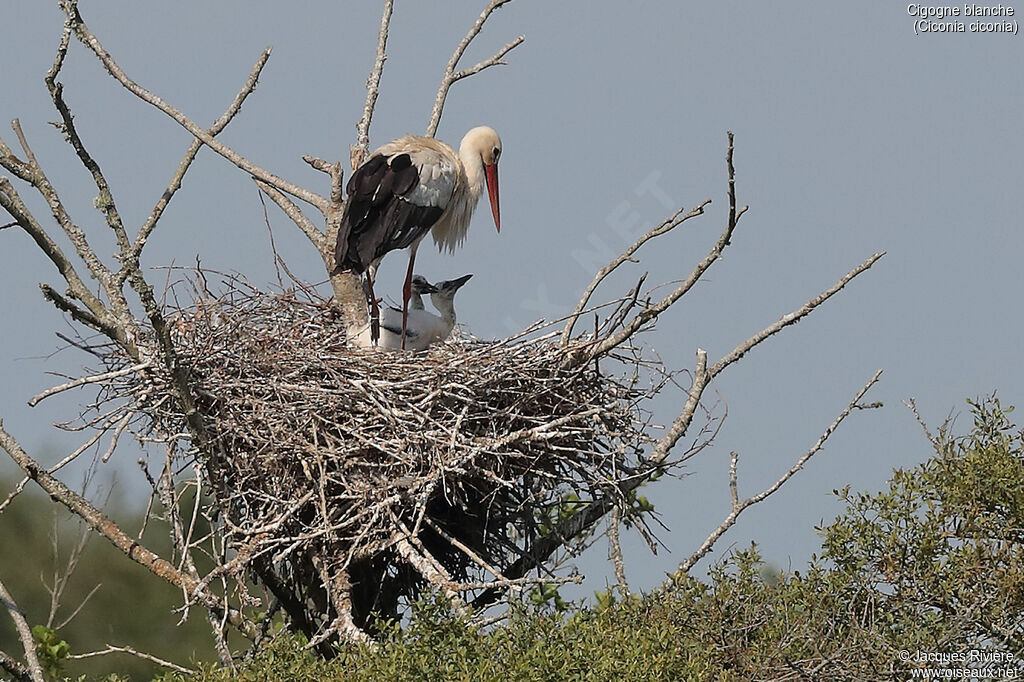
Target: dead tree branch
x,y
576,525
24,634
113,533
11,665
362,146
111,649
131,260
667,225
738,506
451,75
86,36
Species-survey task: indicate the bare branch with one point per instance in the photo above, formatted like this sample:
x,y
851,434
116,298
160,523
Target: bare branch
x,y
450,75
131,261
105,200
92,379
99,271
292,210
113,533
793,317
101,318
734,215
494,60
362,146
667,225
15,668
76,313
24,634
111,649
92,42
738,507
336,172
615,550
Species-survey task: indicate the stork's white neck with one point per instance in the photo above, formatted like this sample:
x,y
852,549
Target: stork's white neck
x,y
474,167
446,306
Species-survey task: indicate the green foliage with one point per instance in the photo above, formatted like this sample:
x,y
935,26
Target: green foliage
x,y
51,649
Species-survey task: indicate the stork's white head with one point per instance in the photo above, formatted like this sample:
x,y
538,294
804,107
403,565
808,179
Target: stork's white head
x,y
420,285
484,143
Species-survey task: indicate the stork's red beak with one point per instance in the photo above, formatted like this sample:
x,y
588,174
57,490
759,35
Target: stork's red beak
x,y
492,192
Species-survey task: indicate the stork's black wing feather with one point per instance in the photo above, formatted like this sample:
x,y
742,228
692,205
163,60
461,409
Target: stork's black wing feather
x,y
378,217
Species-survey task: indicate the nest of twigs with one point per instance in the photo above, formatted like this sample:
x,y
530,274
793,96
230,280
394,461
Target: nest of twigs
x,y
433,467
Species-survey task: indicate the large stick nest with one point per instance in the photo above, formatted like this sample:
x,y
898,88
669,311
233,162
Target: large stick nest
x,y
321,453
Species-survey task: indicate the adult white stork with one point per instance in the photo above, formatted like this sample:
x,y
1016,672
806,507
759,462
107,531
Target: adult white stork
x,y
406,188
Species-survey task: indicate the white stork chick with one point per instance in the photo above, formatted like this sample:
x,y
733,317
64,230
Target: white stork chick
x,y
408,187
423,328
391,319
420,286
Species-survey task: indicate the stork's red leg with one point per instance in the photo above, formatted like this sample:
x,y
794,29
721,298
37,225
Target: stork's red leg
x,y
407,292
374,310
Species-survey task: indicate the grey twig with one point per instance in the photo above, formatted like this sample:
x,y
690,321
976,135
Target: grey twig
x,y
362,146
24,634
131,261
667,225
87,37
739,506
111,649
292,210
615,550
11,665
91,379
793,317
113,533
451,76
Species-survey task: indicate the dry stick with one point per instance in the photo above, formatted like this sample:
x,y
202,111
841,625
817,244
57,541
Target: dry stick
x,y
24,634
78,314
131,260
652,311
112,532
70,7
74,232
451,76
94,378
416,555
358,151
667,225
20,672
793,317
334,170
590,514
292,210
738,507
105,200
455,542
339,591
14,205
616,552
111,649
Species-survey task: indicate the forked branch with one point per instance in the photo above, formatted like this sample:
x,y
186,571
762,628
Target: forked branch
x,y
35,672
451,75
362,146
113,533
739,506
86,36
